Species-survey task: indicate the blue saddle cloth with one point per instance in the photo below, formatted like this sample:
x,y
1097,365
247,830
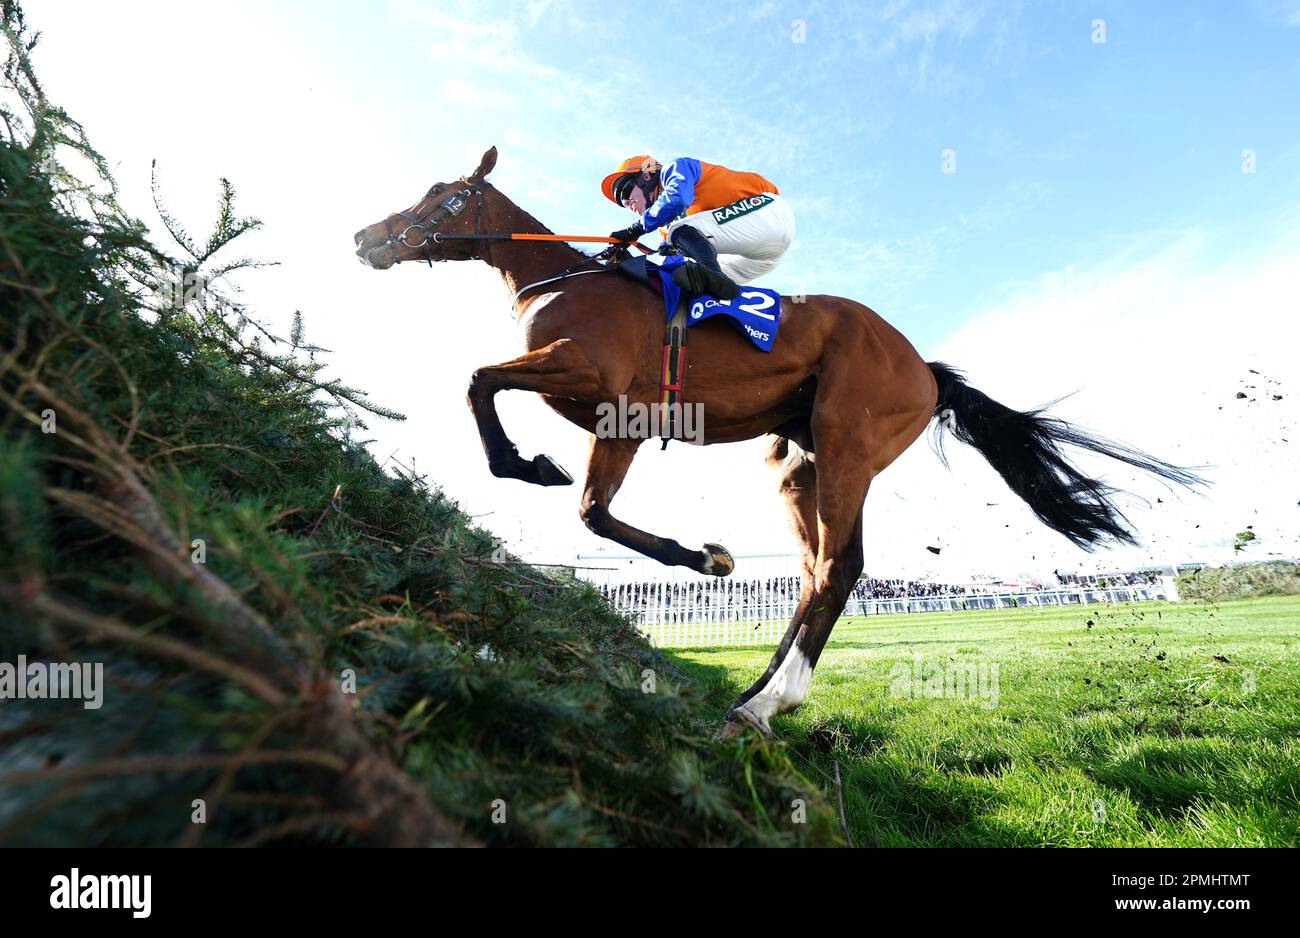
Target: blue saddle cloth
x,y
755,311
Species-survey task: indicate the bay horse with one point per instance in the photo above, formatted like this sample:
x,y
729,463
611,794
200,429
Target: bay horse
x,y
841,395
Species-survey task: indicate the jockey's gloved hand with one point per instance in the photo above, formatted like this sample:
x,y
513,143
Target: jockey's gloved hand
x,y
630,233
668,250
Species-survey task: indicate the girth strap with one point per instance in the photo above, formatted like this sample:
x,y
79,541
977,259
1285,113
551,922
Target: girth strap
x,y
672,374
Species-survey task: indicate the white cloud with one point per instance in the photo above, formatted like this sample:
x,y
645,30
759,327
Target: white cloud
x,y
1157,351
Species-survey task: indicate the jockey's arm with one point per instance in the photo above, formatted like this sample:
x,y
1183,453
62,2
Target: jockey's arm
x,y
678,179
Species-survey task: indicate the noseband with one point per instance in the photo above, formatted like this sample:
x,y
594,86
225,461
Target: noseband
x,y
452,206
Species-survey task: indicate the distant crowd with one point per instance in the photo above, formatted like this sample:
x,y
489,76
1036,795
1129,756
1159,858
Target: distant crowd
x,y
871,588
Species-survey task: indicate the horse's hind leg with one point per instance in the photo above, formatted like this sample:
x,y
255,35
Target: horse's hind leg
x,y
852,446
798,486
561,369
785,684
843,475
606,468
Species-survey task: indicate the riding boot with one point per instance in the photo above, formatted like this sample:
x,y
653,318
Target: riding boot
x,y
705,274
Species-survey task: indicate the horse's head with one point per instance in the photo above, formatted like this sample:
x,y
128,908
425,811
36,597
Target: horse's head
x,y
416,233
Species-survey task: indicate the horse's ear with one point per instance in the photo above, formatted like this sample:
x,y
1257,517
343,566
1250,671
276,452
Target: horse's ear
x,y
485,165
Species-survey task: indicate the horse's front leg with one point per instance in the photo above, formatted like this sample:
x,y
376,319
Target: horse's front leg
x,y
561,369
607,466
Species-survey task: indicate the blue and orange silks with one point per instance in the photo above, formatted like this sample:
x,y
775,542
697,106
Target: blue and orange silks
x,y
691,186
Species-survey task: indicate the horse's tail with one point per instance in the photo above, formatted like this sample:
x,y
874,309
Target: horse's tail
x,y
1025,449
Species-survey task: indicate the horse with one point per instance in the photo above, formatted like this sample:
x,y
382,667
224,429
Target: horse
x,y
840,396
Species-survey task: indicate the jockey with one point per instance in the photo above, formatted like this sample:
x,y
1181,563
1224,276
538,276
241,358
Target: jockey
x,y
734,226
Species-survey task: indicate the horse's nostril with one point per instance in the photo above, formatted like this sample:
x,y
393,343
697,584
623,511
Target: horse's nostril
x,y
358,238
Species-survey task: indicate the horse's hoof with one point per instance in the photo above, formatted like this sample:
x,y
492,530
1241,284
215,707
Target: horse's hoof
x,y
717,560
549,472
730,730
739,720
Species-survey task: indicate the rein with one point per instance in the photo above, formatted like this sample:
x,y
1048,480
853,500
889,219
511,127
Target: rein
x,y
454,204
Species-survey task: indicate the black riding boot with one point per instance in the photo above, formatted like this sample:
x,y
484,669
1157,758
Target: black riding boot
x,y
705,275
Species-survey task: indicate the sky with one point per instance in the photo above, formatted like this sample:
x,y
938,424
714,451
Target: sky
x,y
1121,229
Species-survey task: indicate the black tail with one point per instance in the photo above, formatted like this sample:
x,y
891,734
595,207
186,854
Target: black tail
x,y
1025,449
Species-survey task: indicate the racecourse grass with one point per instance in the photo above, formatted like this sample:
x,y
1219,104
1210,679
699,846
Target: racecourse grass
x,y
1137,725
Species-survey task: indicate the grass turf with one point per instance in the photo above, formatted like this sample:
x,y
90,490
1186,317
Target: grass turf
x,y
1152,724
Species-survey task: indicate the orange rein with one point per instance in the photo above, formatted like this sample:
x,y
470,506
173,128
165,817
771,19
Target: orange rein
x,y
587,238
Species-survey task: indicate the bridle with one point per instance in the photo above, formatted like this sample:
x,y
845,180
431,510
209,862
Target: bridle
x,y
451,206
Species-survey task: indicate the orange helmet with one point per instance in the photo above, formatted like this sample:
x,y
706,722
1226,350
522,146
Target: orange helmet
x,y
633,164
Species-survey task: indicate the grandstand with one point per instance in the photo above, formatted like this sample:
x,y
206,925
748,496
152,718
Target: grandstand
x,y
679,608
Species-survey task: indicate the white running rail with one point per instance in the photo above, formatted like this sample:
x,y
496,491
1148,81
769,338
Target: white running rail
x,y
680,608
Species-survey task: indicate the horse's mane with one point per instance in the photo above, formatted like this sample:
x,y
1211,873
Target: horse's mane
x,y
524,215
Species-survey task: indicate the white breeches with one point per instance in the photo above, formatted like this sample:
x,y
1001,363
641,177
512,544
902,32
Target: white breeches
x,y
749,244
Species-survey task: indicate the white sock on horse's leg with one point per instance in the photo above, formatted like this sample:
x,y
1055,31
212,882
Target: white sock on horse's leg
x,y
785,689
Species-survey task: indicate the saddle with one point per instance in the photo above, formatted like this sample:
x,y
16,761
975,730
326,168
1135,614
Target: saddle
x,y
755,311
